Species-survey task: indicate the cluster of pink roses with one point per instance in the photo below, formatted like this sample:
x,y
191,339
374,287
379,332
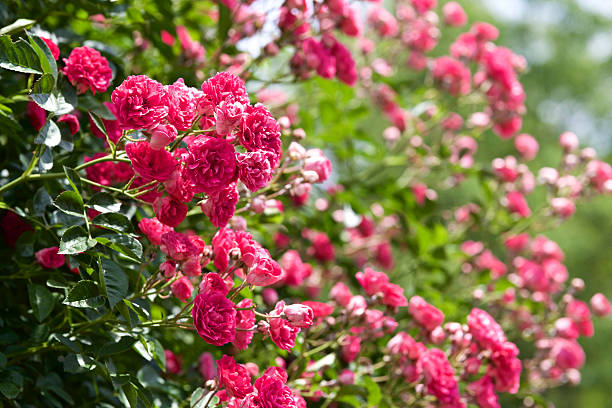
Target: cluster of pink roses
x,y
210,164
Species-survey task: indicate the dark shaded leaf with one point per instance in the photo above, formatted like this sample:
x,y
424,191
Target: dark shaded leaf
x,y
104,203
41,300
114,281
84,294
75,240
70,202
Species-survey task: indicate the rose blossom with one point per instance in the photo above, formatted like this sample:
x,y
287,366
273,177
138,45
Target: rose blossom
x,y
350,348
210,164
505,368
55,52
223,87
233,377
221,205
162,135
178,246
214,317
517,204
439,377
181,105
87,69
485,329
170,211
454,15
36,115
258,130
266,270
600,305
299,315
526,145
245,319
317,161
182,288
425,314
207,366
140,102
150,164
255,169
272,391
484,392
282,333
173,363
71,121
153,229
49,258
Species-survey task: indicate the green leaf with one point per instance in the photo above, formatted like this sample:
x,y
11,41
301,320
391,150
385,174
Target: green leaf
x,y
47,62
44,84
46,160
66,341
41,300
49,135
201,398
59,101
17,26
151,349
75,240
113,221
98,123
374,393
104,203
89,103
124,244
224,24
9,390
73,178
71,203
18,56
84,294
125,343
114,281
41,201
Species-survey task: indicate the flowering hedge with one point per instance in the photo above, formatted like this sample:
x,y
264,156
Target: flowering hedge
x,y
240,204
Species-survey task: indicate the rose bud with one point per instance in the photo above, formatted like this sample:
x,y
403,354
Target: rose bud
x,y
299,315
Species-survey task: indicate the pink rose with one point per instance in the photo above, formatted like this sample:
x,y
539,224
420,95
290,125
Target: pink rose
x,y
214,317
245,319
140,102
567,354
178,246
282,333
233,377
182,288
153,229
255,169
425,314
517,204
484,392
162,135
49,258
341,294
505,368
223,87
221,205
207,366
372,281
173,363
485,330
266,270
52,47
258,130
210,164
272,391
600,305
452,74
36,114
170,211
294,270
454,15
439,377
526,145
86,69
150,164
299,315
350,348
181,105
317,161
393,295
168,268
71,121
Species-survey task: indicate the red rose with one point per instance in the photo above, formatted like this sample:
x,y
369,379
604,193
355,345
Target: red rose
x,y
272,391
265,272
178,246
87,69
150,164
49,258
153,229
245,319
140,102
182,288
214,317
282,333
234,377
256,169
210,164
220,206
170,211
425,314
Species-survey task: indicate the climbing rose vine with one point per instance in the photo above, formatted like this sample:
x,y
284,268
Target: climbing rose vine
x,y
272,211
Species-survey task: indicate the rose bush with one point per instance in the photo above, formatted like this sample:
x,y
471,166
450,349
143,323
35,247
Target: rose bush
x,y
183,228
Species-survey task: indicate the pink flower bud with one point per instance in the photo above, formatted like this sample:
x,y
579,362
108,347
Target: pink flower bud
x,y
568,141
162,135
454,15
563,207
600,305
299,315
526,145
270,296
